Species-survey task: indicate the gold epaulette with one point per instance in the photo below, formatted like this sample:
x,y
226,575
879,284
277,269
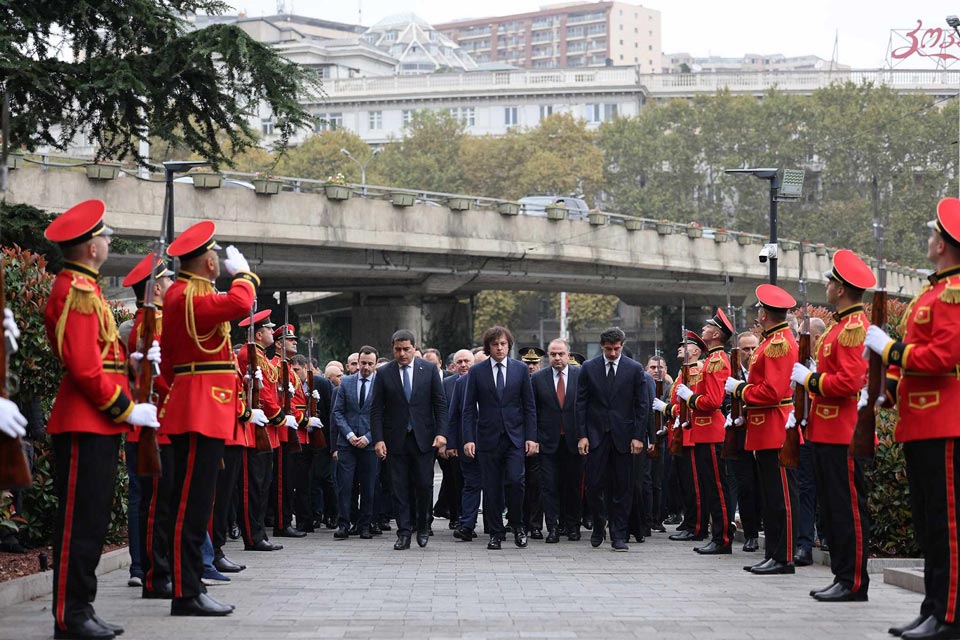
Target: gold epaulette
x,y
951,293
854,333
714,364
777,348
81,298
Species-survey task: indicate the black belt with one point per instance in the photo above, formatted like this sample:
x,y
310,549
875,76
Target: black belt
x,y
204,367
115,367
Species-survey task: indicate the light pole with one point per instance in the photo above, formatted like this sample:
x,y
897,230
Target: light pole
x,y
954,23
363,167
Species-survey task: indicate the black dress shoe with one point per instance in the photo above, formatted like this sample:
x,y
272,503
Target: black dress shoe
x,y
403,542
714,549
310,528
763,563
803,557
814,592
234,532
423,538
913,624
933,629
453,524
263,545
777,568
536,534
83,630
494,544
619,545
223,564
201,605
341,534
574,536
288,532
587,524
682,536
365,533
465,534
330,523
640,539
552,537
385,525
597,536
117,629
354,530
840,593
160,592
429,531
751,545
659,528
275,547
520,539
376,530
673,518
561,530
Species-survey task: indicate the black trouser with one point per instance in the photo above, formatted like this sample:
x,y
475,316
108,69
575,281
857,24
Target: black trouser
x,y
532,494
226,488
806,507
85,466
778,490
412,466
843,503
713,482
323,489
748,492
470,498
196,460
932,471
155,514
281,487
672,500
656,489
610,475
561,481
448,498
637,521
300,464
502,477
252,509
694,507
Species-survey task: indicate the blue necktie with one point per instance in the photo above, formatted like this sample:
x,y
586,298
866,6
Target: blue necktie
x,y
406,382
500,378
363,391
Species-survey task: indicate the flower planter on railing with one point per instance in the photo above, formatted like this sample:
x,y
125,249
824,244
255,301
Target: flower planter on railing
x,y
744,240
459,204
821,250
337,191
720,236
15,161
103,170
633,225
597,219
400,199
207,180
694,232
508,208
266,186
664,228
556,212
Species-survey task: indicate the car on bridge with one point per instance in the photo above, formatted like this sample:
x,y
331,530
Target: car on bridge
x,y
536,205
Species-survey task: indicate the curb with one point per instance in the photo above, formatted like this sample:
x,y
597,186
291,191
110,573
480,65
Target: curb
x,y
41,584
905,578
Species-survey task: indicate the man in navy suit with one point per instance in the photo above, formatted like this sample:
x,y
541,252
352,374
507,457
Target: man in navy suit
x,y
407,418
500,424
470,467
561,467
351,415
448,498
612,410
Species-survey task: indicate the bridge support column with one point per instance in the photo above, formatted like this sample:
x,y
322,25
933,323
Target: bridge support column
x,y
442,322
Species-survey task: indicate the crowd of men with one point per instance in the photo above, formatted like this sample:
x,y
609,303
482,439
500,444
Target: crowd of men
x,y
255,438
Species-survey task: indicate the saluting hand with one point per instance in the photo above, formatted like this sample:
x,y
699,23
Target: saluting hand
x,y
235,262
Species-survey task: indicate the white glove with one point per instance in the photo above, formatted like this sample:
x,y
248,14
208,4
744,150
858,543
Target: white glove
x,y
659,405
235,261
731,384
728,422
144,414
258,417
676,424
684,392
292,389
791,421
315,395
153,353
258,374
876,340
315,423
10,330
862,402
12,422
290,421
800,373
738,422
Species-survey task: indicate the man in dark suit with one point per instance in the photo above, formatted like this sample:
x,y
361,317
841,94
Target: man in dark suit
x,y
561,467
356,458
323,486
500,424
470,467
612,410
408,413
448,498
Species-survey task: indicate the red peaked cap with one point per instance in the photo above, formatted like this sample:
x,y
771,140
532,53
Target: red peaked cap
x,y
721,322
947,223
849,269
278,333
78,224
142,271
693,337
261,319
773,297
194,242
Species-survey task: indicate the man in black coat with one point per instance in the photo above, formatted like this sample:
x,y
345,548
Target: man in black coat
x,y
613,407
409,410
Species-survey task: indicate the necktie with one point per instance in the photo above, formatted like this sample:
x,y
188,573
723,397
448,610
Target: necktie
x,y
406,382
561,396
500,378
611,375
363,391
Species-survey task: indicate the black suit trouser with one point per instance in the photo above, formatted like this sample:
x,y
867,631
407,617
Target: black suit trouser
x,y
302,506
561,482
470,499
502,476
154,515
85,466
843,502
196,462
281,487
448,498
610,475
532,493
255,475
713,482
226,488
778,490
410,466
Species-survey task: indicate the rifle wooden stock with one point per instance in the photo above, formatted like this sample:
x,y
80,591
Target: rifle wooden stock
x,y
863,443
262,438
14,469
317,439
654,452
148,449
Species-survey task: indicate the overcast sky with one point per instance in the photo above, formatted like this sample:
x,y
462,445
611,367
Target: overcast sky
x,y
699,27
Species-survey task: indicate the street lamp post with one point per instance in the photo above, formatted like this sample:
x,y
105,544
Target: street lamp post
x,y
954,23
363,167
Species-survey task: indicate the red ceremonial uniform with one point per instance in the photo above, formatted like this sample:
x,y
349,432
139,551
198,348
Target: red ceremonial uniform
x,y
297,401
243,431
840,374
198,357
269,398
674,409
768,397
160,385
708,395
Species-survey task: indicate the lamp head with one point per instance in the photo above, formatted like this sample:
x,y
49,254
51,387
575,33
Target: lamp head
x,y
346,152
953,21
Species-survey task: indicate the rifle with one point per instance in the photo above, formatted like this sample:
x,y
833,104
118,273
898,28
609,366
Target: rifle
x,y
14,468
293,440
676,446
253,391
790,451
654,452
317,439
863,443
730,448
148,449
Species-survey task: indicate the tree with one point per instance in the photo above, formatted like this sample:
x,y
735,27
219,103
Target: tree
x,y
319,156
426,158
117,73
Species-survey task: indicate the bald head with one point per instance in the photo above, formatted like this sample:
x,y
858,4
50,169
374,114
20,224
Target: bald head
x,y
462,361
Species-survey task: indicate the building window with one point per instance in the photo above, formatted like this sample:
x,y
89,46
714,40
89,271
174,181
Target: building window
x,y
609,111
406,115
546,110
328,121
266,126
464,115
510,116
376,120
596,113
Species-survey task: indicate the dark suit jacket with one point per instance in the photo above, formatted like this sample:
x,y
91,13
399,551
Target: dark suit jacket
x,y
324,408
549,414
623,410
347,415
486,414
454,432
390,413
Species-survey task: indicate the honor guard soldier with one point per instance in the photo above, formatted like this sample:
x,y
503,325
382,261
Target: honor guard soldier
x,y
924,373
202,407
839,375
295,428
154,511
92,409
704,400
768,399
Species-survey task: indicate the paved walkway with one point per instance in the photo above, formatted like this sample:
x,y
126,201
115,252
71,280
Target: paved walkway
x,y
321,588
